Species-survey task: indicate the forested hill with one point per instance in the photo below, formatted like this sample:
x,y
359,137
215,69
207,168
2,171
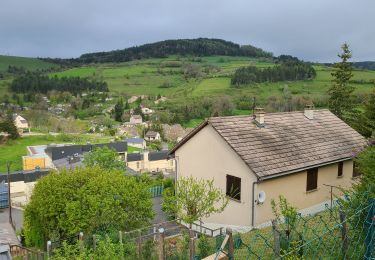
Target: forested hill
x,y
195,47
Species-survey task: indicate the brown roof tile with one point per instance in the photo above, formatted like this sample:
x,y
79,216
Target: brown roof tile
x,y
288,142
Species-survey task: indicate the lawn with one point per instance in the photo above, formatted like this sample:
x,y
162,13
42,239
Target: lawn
x,y
15,149
27,63
132,149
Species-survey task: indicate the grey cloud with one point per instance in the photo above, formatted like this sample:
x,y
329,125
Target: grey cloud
x,y
312,30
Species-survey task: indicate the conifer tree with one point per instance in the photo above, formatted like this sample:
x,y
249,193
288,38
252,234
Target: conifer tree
x,y
119,110
340,100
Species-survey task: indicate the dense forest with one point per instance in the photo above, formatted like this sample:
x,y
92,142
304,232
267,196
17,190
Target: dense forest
x,y
194,47
287,68
37,83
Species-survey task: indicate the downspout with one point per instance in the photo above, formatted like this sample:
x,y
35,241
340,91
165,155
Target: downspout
x,y
253,204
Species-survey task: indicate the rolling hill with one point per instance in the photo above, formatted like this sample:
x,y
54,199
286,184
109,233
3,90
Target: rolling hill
x,y
27,63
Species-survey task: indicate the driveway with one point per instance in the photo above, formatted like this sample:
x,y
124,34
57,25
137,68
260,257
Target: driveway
x,y
160,215
7,233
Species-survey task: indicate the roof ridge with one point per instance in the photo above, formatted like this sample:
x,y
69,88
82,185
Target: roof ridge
x,y
272,113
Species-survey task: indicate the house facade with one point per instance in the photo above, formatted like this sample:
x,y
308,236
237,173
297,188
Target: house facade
x,y
152,136
254,159
135,119
156,161
20,122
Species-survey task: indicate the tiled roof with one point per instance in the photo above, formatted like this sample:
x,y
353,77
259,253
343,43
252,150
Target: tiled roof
x,y
289,141
151,134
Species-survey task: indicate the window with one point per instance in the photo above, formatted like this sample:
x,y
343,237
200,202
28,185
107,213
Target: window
x,y
312,179
339,170
356,172
233,187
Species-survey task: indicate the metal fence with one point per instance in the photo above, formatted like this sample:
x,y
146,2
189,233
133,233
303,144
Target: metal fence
x,y
337,233
156,191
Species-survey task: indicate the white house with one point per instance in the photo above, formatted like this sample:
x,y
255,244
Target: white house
x,y
152,136
136,119
147,111
20,122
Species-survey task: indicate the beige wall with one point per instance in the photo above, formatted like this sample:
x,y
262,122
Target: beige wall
x,y
152,166
19,124
21,192
293,187
208,156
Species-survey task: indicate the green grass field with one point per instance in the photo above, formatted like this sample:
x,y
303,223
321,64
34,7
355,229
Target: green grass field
x,y
164,77
27,63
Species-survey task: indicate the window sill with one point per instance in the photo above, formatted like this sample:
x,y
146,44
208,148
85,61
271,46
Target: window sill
x,y
232,199
311,191
340,177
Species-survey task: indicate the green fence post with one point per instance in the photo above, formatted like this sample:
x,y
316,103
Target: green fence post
x,y
370,230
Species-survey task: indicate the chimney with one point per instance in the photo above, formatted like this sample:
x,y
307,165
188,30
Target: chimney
x,y
309,111
259,117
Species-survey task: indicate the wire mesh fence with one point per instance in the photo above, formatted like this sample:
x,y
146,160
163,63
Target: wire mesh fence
x,y
337,233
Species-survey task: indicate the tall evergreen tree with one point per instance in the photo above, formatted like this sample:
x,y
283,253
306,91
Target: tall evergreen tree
x,y
340,100
119,110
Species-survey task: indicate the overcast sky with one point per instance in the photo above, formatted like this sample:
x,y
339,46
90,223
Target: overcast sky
x,y
309,29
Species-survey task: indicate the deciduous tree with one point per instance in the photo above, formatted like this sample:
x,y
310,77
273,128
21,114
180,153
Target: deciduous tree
x,y
104,158
194,199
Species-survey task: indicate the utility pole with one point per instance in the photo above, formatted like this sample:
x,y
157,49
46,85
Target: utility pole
x,y
9,200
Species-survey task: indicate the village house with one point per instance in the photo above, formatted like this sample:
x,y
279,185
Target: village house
x,y
136,142
254,159
175,132
21,123
152,136
147,111
135,119
161,99
156,161
64,156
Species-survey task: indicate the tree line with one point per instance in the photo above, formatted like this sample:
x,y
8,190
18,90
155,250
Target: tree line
x,y
286,69
185,47
37,83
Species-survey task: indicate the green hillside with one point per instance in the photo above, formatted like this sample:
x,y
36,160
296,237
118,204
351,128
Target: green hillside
x,y
27,63
164,76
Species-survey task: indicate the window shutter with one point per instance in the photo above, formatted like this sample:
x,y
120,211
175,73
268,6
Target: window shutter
x,y
312,179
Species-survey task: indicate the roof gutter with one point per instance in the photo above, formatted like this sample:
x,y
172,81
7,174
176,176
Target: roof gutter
x,y
303,168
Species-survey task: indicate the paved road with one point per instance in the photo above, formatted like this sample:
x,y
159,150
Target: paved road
x,y
160,215
17,216
7,234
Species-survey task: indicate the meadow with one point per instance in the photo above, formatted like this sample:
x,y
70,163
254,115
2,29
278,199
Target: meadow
x,y
164,76
27,63
154,76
